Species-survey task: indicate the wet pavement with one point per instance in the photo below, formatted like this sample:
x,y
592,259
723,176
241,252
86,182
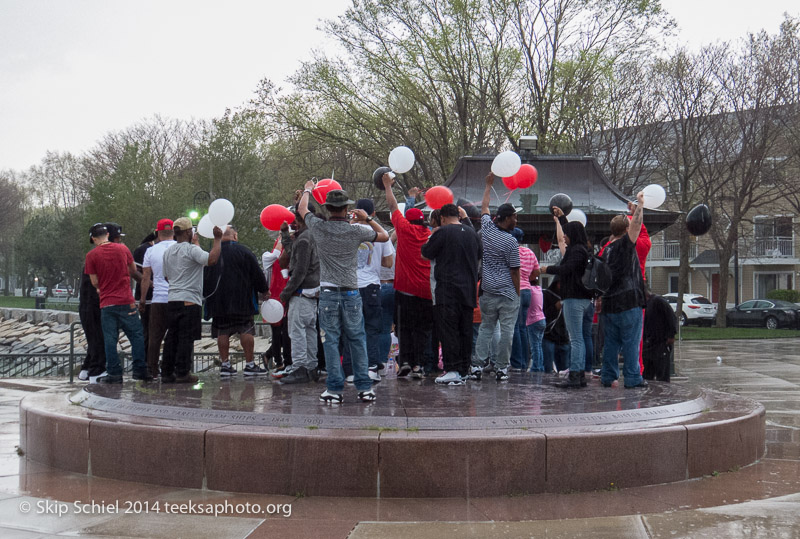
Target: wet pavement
x,y
762,500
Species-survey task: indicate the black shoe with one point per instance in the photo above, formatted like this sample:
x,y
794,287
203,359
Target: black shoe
x,y
573,381
405,368
583,381
167,378
144,377
186,379
641,384
110,379
298,376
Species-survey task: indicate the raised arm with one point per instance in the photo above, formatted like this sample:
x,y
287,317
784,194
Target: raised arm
x,y
636,223
362,217
562,244
388,182
487,193
302,207
216,249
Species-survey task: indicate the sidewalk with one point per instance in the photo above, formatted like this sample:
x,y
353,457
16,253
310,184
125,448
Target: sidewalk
x,y
762,500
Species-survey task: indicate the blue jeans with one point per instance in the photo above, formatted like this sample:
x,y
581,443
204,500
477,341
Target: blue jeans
x,y
372,315
387,320
340,318
519,346
535,335
573,309
623,331
588,341
497,309
125,318
553,353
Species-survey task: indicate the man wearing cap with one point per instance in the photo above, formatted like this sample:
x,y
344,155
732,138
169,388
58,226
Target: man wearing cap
x,y
94,364
183,269
500,284
153,279
144,306
110,267
232,287
340,311
372,256
412,283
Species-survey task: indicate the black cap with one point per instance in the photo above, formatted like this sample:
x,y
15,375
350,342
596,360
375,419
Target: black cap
x,y
97,230
114,231
365,204
505,210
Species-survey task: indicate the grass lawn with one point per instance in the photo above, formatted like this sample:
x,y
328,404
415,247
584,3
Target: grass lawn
x,y
17,302
713,334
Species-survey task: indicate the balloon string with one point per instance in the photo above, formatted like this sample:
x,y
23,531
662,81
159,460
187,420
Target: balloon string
x,y
508,196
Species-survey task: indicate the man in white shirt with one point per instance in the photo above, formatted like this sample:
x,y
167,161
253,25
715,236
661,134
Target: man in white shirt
x,y
153,273
372,256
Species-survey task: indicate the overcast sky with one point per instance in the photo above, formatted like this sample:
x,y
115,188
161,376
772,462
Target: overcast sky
x,y
73,70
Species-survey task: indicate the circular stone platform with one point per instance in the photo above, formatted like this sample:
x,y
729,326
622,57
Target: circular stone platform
x,y
417,440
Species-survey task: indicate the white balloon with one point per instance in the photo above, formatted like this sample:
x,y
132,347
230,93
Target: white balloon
x,y
221,212
272,311
401,159
506,164
577,215
205,227
654,196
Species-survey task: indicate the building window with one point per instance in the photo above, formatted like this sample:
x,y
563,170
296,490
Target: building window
x,y
764,282
773,236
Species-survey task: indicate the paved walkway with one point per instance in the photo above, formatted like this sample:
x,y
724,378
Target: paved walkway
x,y
762,500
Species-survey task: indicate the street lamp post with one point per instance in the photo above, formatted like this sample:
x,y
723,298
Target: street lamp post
x,y
198,198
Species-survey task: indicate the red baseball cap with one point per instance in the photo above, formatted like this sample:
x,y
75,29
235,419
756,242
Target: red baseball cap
x,y
164,224
415,214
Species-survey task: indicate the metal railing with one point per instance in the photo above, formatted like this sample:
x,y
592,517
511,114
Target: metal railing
x,y
67,363
773,247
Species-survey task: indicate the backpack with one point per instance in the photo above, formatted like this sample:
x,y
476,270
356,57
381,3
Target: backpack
x,y
597,276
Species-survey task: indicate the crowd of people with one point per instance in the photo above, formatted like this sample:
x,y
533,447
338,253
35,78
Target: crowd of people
x,y
463,299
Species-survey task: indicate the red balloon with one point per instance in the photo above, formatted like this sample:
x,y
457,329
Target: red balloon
x,y
526,176
545,243
438,196
511,182
273,216
323,187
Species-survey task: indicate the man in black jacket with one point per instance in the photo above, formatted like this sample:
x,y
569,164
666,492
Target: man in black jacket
x,y
231,287
301,295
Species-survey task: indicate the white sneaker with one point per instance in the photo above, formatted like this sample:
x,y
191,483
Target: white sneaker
x,y
84,375
93,379
373,374
349,379
451,378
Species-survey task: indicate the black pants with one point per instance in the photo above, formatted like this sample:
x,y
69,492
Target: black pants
x,y
95,361
281,346
145,317
655,356
183,329
414,322
454,328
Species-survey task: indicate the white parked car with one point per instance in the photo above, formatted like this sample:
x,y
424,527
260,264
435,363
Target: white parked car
x,y
60,291
697,309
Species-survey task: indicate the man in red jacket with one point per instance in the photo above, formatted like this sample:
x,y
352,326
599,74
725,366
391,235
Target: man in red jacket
x,y
412,284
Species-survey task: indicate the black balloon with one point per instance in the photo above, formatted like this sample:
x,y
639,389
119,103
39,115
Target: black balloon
x,y
473,211
377,176
698,220
560,200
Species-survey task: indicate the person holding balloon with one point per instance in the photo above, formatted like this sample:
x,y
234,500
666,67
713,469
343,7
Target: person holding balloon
x,y
575,297
500,283
623,302
340,310
183,269
412,284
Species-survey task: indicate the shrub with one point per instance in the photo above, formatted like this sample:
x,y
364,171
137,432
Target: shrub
x,y
792,296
